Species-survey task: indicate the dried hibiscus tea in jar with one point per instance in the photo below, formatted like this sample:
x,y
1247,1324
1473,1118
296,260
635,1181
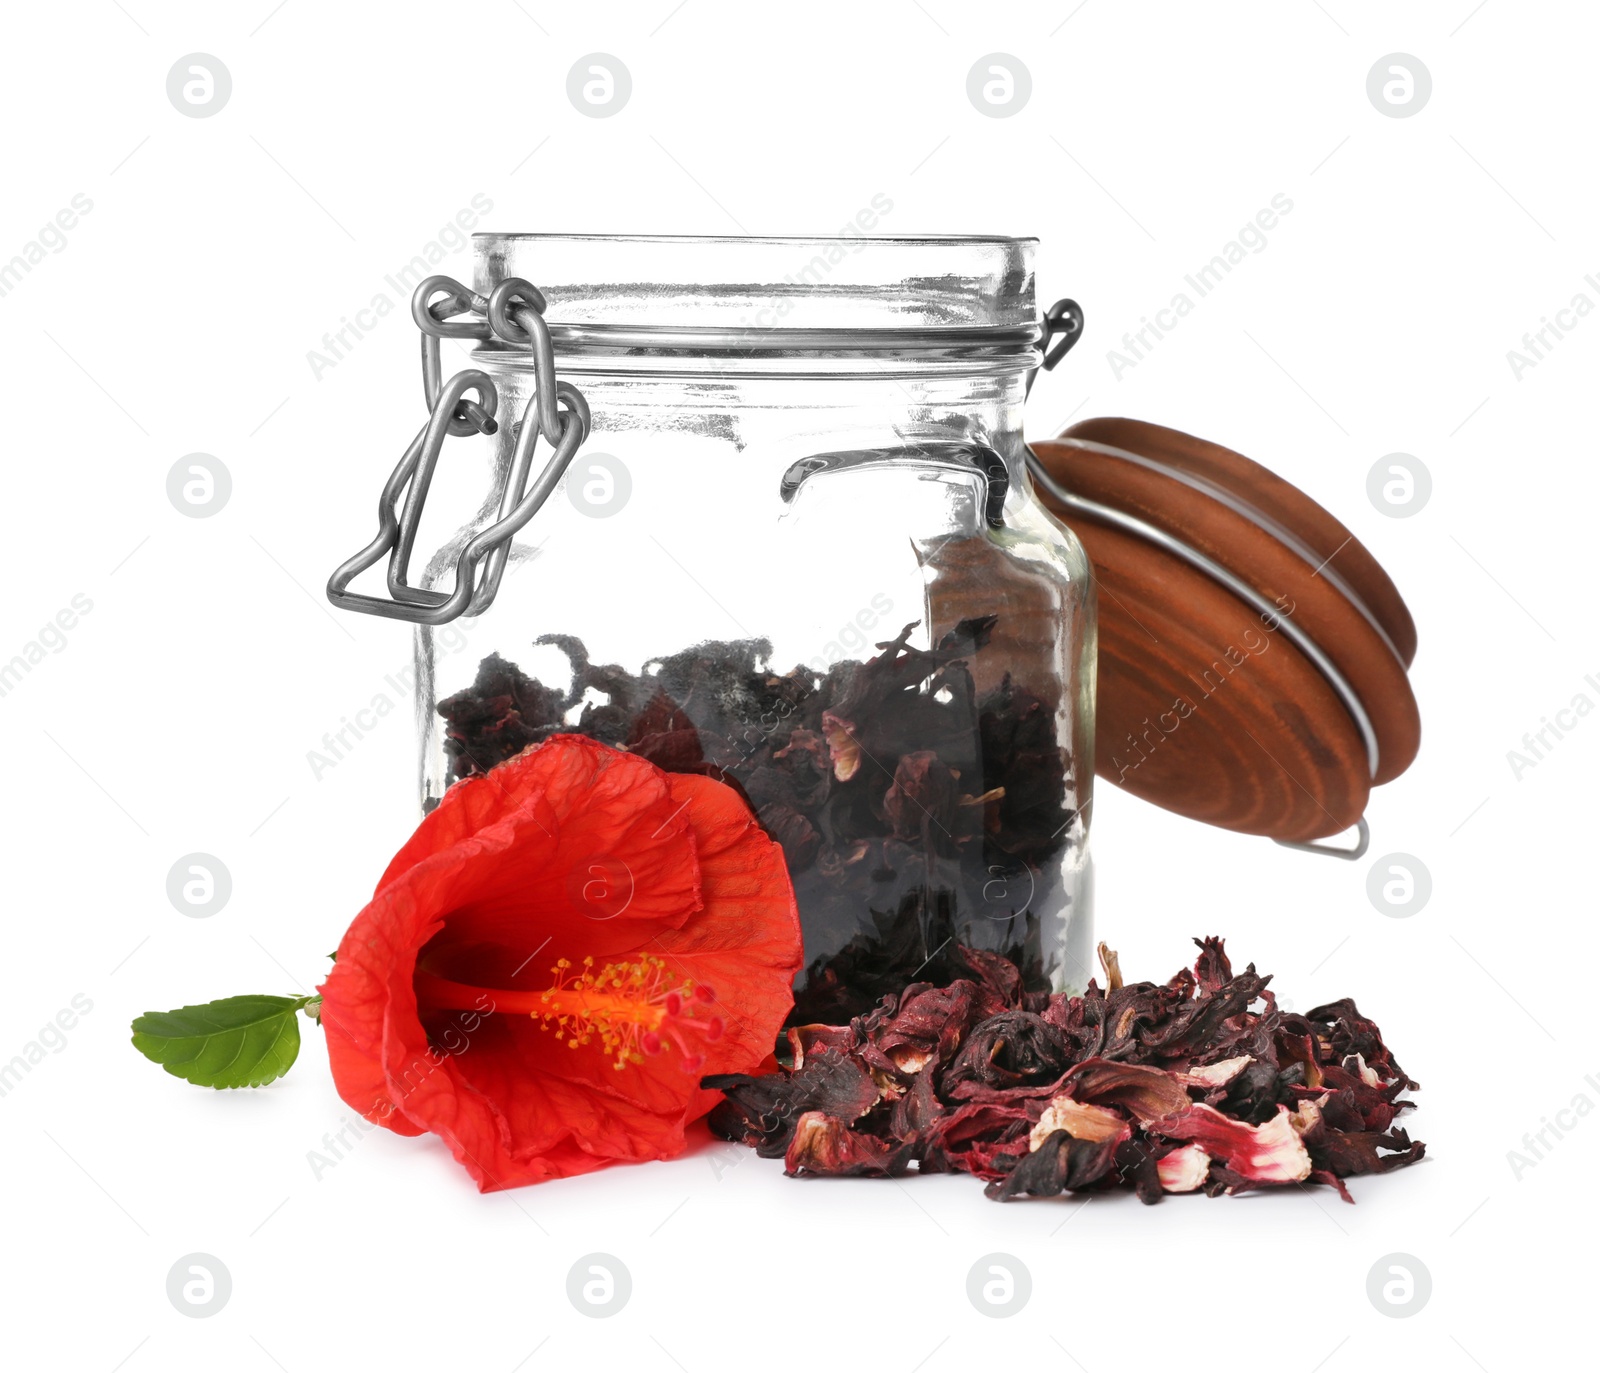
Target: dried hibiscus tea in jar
x,y
913,810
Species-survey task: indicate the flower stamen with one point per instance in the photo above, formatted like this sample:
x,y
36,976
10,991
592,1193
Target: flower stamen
x,y
635,1009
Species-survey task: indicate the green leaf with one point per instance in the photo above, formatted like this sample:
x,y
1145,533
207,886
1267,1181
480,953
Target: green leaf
x,y
240,1041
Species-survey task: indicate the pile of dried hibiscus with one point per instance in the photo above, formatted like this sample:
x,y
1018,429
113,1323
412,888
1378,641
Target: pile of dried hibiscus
x,y
1158,1087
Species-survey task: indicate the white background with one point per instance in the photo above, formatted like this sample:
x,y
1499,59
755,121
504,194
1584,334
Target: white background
x,y
177,717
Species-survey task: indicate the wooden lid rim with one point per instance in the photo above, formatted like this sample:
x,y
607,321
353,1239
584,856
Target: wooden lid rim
x,y
1209,567
1246,511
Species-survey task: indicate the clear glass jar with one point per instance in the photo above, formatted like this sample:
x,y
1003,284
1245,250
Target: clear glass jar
x,y
804,557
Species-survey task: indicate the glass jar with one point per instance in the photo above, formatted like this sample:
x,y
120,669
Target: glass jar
x,y
798,552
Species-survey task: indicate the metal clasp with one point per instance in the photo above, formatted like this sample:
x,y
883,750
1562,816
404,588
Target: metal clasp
x,y
513,314
1363,838
935,453
1063,327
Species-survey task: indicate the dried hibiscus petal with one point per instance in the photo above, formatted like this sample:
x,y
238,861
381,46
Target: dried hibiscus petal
x,y
1261,1153
1137,1166
499,715
916,1110
1061,1163
1347,1154
1184,1169
925,1027
921,805
843,748
1081,1121
763,1112
827,1147
1145,1093
973,1138
1008,1050
795,835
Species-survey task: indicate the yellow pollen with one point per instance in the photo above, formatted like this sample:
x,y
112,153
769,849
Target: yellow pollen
x,y
630,1007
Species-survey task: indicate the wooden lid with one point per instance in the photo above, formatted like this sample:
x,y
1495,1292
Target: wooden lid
x,y
1252,666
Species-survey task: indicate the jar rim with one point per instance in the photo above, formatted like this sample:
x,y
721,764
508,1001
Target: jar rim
x,y
623,302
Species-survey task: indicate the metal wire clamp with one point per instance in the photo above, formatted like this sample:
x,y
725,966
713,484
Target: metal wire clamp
x,y
512,315
1062,327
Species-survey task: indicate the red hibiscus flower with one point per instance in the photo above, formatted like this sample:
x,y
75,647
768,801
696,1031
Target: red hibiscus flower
x,y
559,954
